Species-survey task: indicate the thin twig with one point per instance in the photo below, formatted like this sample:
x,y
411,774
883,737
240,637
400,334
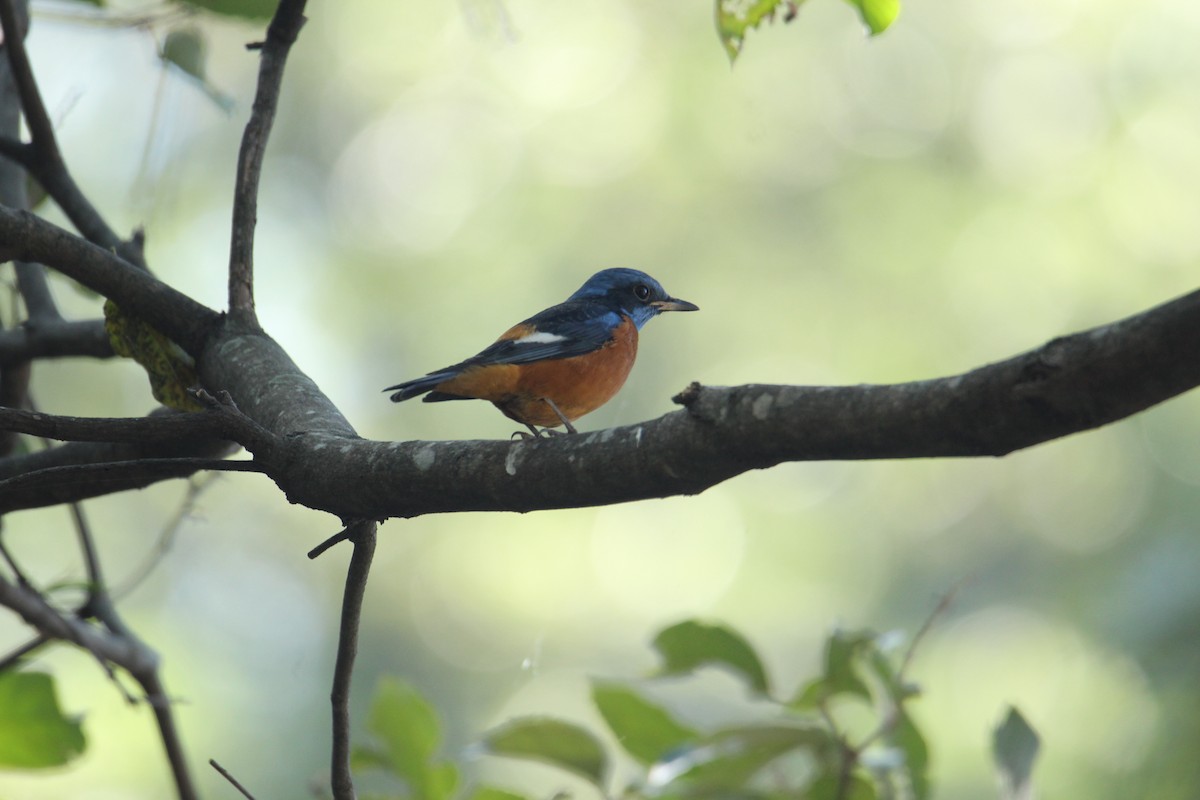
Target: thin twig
x,y
91,562
281,34
363,535
100,605
222,420
225,774
166,537
156,696
943,605
13,657
341,536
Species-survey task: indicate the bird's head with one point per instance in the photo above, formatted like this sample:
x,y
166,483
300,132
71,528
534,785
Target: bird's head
x,y
633,293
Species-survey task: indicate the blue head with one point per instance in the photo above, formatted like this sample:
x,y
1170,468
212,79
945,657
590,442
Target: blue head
x,y
631,292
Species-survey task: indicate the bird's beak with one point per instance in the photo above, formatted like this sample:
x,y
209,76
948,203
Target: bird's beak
x,y
674,304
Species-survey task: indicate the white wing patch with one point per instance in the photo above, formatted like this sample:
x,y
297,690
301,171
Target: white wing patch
x,y
540,337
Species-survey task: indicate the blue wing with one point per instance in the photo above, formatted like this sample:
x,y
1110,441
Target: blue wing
x,y
569,329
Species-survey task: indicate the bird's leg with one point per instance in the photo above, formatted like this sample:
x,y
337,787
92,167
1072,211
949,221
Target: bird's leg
x,y
561,416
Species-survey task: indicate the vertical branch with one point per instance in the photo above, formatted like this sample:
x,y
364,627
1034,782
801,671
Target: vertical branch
x,y
31,278
281,34
41,130
362,534
42,156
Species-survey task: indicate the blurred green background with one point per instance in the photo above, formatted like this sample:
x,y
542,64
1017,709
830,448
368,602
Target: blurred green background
x,y
981,178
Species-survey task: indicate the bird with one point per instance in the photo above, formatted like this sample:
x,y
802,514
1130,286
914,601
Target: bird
x,y
561,363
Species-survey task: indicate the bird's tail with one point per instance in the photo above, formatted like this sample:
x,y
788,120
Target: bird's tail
x,y
419,386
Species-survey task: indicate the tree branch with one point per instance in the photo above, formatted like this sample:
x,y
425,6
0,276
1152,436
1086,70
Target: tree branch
x,y
113,644
281,34
26,236
1069,385
31,278
55,339
41,129
100,605
74,482
33,608
362,534
42,156
162,428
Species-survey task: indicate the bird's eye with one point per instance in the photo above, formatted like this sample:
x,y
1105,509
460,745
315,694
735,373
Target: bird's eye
x,y
642,291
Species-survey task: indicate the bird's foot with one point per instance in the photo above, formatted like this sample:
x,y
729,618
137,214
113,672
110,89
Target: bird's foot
x,y
540,433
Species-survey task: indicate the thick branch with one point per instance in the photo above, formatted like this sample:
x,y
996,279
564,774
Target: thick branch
x,y
281,34
1068,385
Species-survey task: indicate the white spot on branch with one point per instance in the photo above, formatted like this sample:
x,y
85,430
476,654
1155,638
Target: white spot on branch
x,y
513,460
761,408
425,457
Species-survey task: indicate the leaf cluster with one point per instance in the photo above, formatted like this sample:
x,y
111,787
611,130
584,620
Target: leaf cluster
x,y
797,748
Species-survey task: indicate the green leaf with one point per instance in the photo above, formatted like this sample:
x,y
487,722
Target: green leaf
x,y
33,731
407,727
551,741
1015,747
908,739
877,15
689,645
492,793
646,731
843,650
736,17
246,9
829,786
185,48
890,678
727,760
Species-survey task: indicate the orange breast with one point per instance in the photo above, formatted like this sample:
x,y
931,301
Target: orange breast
x,y
577,385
